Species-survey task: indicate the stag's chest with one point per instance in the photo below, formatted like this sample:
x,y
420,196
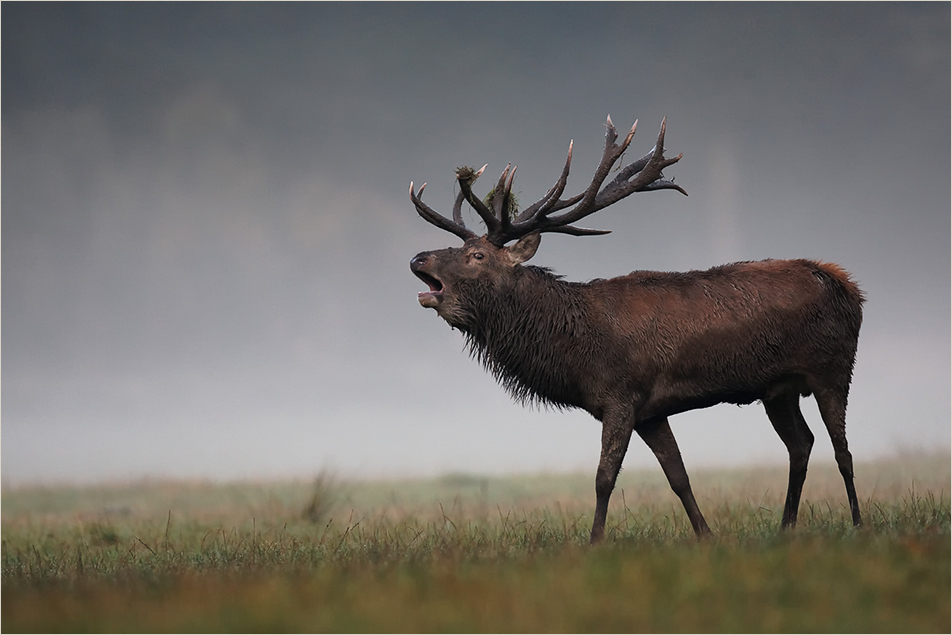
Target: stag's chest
x,y
539,350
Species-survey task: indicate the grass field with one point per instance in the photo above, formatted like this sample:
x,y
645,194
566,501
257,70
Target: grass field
x,y
471,553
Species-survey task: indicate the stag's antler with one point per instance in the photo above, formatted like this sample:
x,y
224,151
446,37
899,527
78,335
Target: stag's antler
x,y
638,176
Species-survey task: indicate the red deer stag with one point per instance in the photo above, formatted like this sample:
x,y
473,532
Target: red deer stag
x,y
636,349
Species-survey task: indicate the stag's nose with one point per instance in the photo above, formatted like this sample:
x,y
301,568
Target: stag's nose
x,y
418,261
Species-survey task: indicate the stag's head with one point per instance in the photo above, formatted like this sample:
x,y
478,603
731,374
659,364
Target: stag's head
x,y
455,276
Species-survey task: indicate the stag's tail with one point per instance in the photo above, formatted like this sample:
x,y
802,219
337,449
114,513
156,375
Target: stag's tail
x,y
846,296
838,276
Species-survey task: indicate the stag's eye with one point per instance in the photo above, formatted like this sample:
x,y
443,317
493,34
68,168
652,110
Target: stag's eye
x,y
479,255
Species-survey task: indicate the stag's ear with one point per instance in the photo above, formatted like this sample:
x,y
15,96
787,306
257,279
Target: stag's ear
x,y
524,248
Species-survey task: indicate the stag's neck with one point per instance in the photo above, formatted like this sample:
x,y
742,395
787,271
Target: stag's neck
x,y
528,336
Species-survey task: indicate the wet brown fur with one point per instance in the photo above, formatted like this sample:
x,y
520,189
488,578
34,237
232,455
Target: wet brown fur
x,y
636,349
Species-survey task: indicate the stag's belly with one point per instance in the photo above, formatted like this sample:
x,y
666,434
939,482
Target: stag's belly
x,y
667,400
739,363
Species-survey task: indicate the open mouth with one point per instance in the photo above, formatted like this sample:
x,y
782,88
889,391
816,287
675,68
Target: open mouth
x,y
432,297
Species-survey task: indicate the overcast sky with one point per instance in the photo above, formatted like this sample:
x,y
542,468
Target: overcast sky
x,y
206,230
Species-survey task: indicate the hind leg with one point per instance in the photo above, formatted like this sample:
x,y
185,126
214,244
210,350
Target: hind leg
x,y
784,413
832,404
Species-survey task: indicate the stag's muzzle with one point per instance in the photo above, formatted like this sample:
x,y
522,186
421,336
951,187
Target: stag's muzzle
x,y
432,298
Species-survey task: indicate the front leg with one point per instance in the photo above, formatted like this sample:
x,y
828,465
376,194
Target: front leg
x,y
617,424
657,434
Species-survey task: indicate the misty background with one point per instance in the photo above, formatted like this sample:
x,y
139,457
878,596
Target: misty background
x,y
206,230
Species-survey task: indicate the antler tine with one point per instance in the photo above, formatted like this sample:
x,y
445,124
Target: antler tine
x,y
465,180
544,205
504,218
512,177
664,184
578,231
631,133
434,218
499,193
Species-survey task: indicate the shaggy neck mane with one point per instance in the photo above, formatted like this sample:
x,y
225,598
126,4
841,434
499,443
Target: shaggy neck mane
x,y
513,333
